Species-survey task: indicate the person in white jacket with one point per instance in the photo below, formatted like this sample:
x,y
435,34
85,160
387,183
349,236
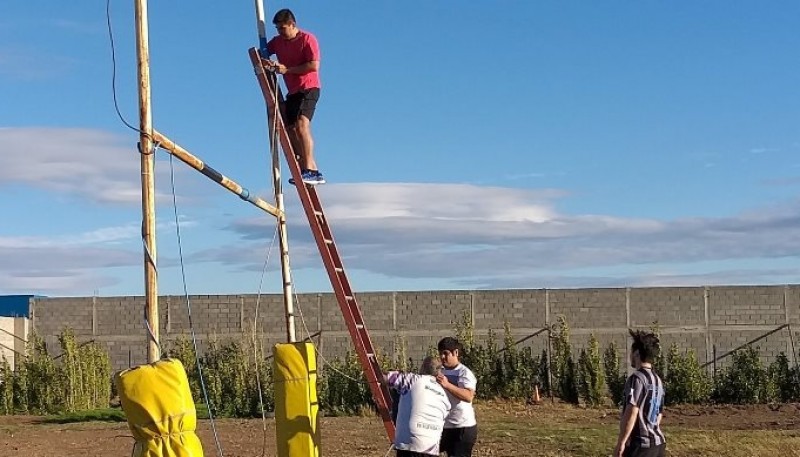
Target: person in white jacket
x,y
422,409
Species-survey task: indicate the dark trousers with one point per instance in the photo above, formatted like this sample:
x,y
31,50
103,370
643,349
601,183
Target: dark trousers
x,y
458,442
637,451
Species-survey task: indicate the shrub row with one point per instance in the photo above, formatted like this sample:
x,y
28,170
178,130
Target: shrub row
x,y
80,377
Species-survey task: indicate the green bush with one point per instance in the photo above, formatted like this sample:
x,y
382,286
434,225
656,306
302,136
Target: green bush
x,y
542,372
515,369
46,390
685,381
78,379
182,348
746,381
6,387
564,368
86,374
231,382
343,388
614,379
786,380
591,382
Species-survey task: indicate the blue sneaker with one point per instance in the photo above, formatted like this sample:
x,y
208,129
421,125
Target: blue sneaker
x,y
313,177
302,174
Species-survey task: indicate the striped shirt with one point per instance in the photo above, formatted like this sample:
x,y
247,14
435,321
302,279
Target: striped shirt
x,y
645,390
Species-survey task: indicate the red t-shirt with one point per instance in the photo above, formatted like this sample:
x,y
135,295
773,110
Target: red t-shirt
x,y
302,49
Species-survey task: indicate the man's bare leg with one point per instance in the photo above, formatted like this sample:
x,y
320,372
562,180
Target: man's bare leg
x,y
306,150
297,146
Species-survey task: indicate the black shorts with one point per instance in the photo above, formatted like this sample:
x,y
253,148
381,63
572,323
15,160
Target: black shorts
x,y
301,103
637,451
458,442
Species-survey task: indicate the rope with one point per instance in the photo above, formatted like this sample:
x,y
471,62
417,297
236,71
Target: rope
x,y
189,311
325,362
255,346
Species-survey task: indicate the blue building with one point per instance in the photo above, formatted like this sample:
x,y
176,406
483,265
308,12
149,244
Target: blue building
x,y
14,305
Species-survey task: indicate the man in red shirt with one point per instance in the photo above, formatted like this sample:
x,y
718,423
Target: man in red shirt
x,y
298,62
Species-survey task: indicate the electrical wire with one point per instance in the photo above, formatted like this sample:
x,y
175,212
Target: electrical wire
x,y
189,311
114,68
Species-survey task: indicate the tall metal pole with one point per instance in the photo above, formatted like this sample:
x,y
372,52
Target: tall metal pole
x,y
261,24
148,181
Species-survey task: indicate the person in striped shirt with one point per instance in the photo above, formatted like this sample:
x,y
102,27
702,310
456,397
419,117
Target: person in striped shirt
x,y
640,432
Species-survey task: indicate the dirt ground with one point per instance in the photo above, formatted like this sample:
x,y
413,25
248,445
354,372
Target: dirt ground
x,y
364,436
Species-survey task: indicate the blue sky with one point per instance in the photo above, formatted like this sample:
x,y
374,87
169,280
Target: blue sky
x,y
466,144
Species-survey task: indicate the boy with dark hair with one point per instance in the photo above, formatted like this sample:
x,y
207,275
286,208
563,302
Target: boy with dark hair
x,y
640,432
460,428
298,61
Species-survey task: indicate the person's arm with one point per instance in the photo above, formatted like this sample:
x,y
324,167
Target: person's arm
x,y
301,69
462,393
626,424
399,381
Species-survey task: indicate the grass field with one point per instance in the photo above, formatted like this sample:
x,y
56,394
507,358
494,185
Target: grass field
x,y
506,429
567,431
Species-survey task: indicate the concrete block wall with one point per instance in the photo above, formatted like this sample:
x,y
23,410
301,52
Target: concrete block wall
x,y
706,319
13,336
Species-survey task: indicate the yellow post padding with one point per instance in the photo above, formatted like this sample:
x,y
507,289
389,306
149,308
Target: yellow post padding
x,y
158,404
296,407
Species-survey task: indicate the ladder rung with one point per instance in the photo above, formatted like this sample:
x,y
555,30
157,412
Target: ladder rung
x,y
339,269
328,241
360,326
317,212
348,297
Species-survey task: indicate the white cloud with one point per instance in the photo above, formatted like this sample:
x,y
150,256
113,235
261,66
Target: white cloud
x,y
73,263
22,63
61,270
763,150
87,163
79,27
480,235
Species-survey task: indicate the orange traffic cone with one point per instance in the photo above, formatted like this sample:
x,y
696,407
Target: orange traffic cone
x,y
536,398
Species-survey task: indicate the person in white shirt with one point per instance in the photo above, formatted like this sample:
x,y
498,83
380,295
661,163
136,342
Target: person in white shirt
x,y
460,427
421,411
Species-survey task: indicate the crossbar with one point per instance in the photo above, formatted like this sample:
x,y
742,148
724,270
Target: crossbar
x,y
212,174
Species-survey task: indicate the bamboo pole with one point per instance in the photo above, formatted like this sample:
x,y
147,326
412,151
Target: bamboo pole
x,y
283,239
148,181
194,162
288,299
